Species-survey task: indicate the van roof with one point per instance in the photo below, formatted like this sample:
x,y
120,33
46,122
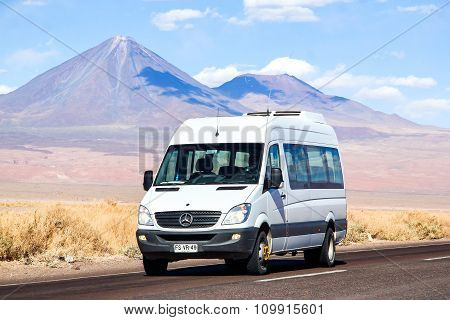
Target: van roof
x,y
252,127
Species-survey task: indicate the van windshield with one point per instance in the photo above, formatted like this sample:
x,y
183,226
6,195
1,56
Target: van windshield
x,y
223,163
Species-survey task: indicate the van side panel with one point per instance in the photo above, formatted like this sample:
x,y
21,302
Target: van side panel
x,y
308,207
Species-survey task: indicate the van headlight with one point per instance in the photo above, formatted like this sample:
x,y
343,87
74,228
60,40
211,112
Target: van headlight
x,y
238,214
144,217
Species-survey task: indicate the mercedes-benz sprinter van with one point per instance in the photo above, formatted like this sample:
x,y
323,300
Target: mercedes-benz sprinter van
x,y
244,188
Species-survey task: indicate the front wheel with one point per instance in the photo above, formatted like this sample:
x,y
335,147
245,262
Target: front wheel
x,y
258,262
155,267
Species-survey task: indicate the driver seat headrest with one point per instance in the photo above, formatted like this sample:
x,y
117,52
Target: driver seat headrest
x,y
204,164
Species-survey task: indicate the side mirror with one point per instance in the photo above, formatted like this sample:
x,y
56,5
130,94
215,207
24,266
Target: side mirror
x,y
276,178
148,180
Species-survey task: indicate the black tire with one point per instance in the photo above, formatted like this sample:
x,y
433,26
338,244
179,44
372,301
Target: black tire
x,y
258,262
328,251
320,256
154,267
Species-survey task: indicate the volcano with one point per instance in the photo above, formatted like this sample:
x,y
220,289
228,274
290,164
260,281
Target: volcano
x,y
117,82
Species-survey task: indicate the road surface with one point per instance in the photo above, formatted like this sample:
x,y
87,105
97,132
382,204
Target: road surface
x,y
410,272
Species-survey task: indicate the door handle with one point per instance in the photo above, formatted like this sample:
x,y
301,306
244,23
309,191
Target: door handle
x,y
283,196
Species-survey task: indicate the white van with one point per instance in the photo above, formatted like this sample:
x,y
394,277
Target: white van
x,y
244,188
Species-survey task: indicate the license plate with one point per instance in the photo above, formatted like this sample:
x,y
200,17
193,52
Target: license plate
x,y
183,248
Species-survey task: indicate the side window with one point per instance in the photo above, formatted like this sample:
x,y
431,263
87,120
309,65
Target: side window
x,y
297,165
274,156
171,166
317,168
273,161
336,180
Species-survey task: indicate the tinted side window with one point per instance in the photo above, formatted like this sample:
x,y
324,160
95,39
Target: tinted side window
x,y
297,165
317,168
171,166
333,161
273,161
274,157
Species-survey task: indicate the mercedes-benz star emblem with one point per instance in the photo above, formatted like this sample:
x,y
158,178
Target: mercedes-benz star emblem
x,y
186,220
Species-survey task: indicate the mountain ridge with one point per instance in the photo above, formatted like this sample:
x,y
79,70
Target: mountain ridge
x,y
282,92
117,81
120,82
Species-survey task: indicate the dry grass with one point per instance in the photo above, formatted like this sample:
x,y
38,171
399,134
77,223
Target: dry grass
x,y
45,231
368,225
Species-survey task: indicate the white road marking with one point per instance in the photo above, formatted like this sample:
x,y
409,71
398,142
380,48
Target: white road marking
x,y
99,276
301,275
393,248
68,279
437,258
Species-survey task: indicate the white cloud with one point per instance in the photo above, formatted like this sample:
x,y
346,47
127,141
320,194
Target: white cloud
x,y
171,20
426,107
281,13
34,3
213,76
6,89
425,8
280,10
349,80
380,93
29,57
448,89
295,67
3,71
292,3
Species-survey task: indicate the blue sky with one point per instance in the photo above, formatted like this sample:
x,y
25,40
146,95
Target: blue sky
x,y
217,40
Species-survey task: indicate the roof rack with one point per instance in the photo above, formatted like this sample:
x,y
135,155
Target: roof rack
x,y
287,113
261,114
275,113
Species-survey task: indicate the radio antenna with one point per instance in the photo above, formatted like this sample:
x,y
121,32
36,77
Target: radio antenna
x,y
268,103
217,121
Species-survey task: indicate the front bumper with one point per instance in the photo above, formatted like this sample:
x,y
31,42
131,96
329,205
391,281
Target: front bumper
x,y
216,244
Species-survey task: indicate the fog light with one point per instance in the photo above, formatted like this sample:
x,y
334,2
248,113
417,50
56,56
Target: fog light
x,y
142,237
235,236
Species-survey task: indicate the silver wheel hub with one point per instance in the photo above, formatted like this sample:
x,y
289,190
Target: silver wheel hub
x,y
331,251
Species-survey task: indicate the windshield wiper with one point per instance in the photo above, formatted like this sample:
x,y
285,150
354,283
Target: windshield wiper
x,y
173,182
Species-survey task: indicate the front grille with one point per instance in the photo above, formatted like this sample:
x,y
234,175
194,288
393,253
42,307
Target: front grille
x,y
201,219
186,237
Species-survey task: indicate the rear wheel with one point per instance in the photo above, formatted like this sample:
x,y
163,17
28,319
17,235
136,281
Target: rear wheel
x,y
155,267
325,255
258,262
328,252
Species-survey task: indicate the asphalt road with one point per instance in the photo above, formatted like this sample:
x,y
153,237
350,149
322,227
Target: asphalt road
x,y
419,272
